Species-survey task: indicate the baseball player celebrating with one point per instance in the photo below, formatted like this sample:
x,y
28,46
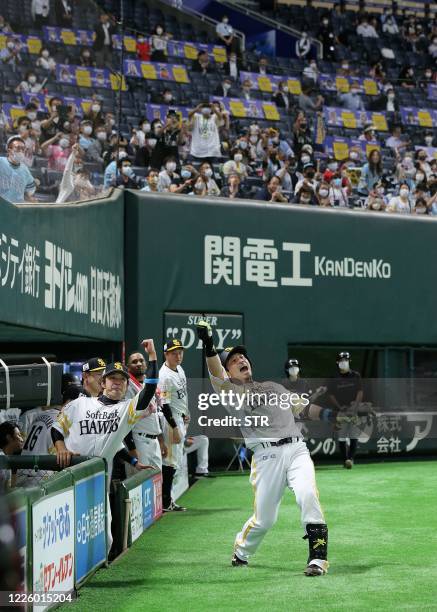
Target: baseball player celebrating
x,y
277,461
173,389
147,434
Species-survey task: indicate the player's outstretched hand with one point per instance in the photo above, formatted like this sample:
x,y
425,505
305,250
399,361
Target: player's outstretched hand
x,y
149,347
204,331
63,457
140,466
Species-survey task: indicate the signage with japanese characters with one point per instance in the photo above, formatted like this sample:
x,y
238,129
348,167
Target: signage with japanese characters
x,y
90,530
53,521
146,505
58,273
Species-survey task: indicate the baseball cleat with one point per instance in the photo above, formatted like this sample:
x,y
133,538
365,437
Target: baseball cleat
x,y
314,570
237,562
174,508
348,464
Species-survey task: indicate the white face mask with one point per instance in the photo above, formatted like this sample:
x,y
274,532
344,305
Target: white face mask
x,y
151,142
428,139
206,112
420,210
95,108
45,54
159,31
22,129
354,155
305,159
127,171
171,166
323,193
87,130
10,45
243,145
285,89
208,172
122,155
140,39
185,174
253,139
293,372
376,205
32,79
32,116
168,97
64,143
419,177
18,157
404,193
333,166
101,136
238,157
146,128
344,365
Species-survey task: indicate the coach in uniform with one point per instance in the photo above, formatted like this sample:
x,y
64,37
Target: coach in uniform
x,y
92,376
280,458
147,434
173,388
346,392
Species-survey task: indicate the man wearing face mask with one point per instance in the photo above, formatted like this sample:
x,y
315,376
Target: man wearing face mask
x,y
125,177
16,181
103,46
303,46
168,175
224,90
57,150
152,181
352,100
10,55
225,33
204,122
346,393
308,179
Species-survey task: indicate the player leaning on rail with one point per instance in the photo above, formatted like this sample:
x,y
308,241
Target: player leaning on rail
x,y
280,458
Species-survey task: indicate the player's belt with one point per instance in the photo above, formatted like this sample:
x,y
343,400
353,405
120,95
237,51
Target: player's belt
x,y
281,442
153,437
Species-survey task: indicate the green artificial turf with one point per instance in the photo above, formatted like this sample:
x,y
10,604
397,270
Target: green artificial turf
x,y
382,520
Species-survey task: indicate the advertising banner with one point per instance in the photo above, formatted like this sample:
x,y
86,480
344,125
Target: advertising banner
x,y
89,495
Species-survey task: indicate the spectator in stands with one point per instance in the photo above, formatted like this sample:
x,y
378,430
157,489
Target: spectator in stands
x,y
168,175
143,49
94,113
308,177
11,443
406,170
339,21
389,23
225,34
76,187
64,13
311,73
58,150
233,66
5,28
421,207
166,96
327,37
158,44
339,191
301,133
45,61
30,84
396,141
168,138
205,141
369,133
235,165
387,102
407,77
428,78
202,64
103,45
86,58
233,188
371,172
125,177
152,180
303,46
281,97
271,192
246,88
422,164
432,49
16,182
401,202
30,138
40,10
376,200
117,153
205,184
322,194
305,195
224,90
366,29
34,117
306,102
10,54
56,119
352,100
263,66
345,69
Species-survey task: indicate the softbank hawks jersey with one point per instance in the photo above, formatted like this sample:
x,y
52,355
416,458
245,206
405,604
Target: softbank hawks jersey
x,y
173,388
92,428
39,439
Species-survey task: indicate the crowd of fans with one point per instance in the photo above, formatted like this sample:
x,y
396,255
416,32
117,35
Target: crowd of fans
x,y
74,155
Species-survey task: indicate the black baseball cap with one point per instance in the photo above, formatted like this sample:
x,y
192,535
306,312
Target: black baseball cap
x,y
95,364
116,368
72,392
232,350
172,345
290,363
343,355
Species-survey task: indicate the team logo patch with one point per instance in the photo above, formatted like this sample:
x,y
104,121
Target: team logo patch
x,y
176,342
101,362
118,365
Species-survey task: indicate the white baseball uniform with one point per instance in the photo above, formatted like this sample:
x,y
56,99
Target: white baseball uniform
x,y
38,442
201,446
273,467
173,388
145,433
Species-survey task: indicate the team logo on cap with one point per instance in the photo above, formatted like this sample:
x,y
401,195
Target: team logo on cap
x,y
118,365
176,342
101,362
228,349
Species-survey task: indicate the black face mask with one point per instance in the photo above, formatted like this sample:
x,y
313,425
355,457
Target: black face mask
x,y
310,174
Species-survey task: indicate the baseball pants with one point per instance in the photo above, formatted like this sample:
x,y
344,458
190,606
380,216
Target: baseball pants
x,y
201,446
149,451
273,469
